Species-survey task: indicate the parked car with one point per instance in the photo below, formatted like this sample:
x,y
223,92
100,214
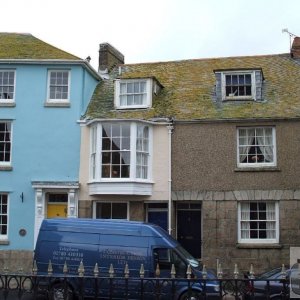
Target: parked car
x,y
117,243
270,285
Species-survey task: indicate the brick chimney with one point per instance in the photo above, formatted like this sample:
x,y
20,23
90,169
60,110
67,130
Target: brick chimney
x,y
109,57
295,50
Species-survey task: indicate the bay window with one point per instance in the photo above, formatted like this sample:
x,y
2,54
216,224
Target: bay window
x,y
120,152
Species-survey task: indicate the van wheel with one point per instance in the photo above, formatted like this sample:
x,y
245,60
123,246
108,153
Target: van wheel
x,y
192,295
58,292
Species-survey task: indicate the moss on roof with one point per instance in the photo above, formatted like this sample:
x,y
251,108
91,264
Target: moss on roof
x,y
26,46
189,88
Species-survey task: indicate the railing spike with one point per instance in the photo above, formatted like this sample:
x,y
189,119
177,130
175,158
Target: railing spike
x,y
251,272
157,271
34,268
204,272
189,272
81,269
50,269
220,271
111,271
126,271
96,270
142,271
65,268
173,271
283,272
236,271
6,269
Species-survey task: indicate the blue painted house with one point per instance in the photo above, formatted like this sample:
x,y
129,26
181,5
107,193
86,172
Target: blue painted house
x,y
43,93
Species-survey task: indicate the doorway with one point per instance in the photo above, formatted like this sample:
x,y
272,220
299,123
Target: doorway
x,y
189,227
57,205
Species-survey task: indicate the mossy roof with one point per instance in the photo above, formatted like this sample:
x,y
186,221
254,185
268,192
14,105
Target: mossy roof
x,y
189,85
26,46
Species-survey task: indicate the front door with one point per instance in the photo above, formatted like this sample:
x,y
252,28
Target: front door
x,y
57,206
189,227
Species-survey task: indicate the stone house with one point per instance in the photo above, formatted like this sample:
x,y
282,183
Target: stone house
x,y
217,167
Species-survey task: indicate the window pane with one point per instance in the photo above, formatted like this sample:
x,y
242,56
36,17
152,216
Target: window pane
x,y
119,210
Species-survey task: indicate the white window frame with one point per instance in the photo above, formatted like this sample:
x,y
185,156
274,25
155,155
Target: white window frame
x,y
8,163
148,102
11,100
54,100
257,164
111,202
97,132
241,72
259,241
4,237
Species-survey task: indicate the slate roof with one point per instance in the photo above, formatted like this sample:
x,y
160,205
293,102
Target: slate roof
x,y
189,90
26,46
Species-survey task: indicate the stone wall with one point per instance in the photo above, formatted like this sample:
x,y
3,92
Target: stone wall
x,y
220,228
16,261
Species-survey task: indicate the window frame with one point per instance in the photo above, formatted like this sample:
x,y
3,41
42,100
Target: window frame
x,y
96,174
7,163
258,240
12,100
240,72
256,164
148,101
4,237
57,100
111,208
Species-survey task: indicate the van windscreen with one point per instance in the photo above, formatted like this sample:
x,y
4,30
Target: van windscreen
x,y
191,260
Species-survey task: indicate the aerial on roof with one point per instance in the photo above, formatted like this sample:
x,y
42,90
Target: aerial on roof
x,y
26,46
189,90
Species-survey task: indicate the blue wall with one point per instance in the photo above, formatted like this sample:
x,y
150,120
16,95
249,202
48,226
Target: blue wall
x,y
45,142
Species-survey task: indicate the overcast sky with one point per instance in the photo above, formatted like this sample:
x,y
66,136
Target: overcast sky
x,y
157,30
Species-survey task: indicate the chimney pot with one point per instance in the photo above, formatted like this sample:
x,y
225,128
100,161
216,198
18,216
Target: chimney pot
x,y
295,50
109,57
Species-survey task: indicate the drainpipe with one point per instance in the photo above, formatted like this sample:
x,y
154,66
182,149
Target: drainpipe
x,y
170,128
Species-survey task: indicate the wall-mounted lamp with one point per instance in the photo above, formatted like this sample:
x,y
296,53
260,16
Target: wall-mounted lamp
x,y
22,196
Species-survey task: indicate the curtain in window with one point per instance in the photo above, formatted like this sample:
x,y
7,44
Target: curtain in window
x,y
271,220
265,142
246,138
245,220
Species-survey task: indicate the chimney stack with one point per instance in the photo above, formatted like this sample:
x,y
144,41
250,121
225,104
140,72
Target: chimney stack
x,y
295,50
109,57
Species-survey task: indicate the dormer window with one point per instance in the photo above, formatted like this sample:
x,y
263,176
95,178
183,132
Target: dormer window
x,y
133,93
239,85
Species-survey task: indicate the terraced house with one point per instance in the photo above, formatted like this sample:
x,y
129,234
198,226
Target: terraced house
x,y
43,93
232,190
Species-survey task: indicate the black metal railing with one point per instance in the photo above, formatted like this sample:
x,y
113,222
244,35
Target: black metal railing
x,y
114,285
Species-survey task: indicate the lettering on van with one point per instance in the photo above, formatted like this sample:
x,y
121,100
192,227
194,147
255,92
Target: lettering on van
x,y
67,254
123,257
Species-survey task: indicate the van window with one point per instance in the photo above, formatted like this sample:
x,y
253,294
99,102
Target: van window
x,y
166,257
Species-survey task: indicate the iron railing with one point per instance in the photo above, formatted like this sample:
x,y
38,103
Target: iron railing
x,y
123,286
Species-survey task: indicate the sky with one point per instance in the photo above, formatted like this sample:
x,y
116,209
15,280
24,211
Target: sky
x,y
157,30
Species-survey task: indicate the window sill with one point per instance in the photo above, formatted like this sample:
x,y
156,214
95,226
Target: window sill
x,y
4,242
257,169
57,104
6,168
7,104
258,246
